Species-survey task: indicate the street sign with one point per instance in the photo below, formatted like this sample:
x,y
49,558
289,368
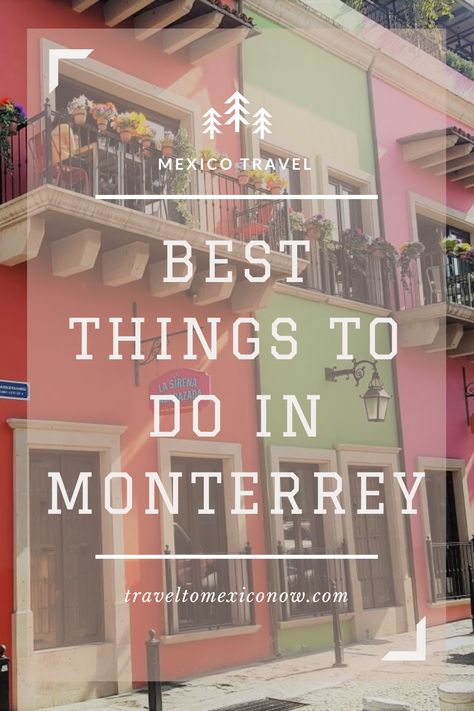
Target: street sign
x,y
14,390
184,383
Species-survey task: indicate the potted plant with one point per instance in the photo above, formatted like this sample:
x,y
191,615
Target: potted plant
x,y
146,135
208,154
127,124
11,116
78,108
453,246
296,222
319,229
258,178
409,252
167,144
103,114
276,184
243,176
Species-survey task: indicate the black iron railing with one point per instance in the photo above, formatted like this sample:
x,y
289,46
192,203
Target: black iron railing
x,y
449,568
438,277
363,275
200,587
302,579
53,150
403,22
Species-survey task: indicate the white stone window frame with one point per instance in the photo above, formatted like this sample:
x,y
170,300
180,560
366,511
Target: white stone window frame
x,y
30,665
422,206
461,493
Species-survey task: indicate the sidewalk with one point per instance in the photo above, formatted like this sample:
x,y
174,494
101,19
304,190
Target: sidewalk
x,y
311,679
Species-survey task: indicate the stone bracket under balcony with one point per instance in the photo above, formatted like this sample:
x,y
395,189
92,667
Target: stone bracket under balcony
x,y
438,327
83,233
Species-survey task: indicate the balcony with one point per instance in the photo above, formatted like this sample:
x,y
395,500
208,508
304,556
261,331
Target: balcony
x,y
437,304
199,583
456,47
449,565
56,170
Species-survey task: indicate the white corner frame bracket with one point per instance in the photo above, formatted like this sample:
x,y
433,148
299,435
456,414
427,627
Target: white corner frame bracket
x,y
55,55
419,655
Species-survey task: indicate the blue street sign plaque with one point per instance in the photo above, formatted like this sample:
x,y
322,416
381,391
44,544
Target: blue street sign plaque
x,y
14,390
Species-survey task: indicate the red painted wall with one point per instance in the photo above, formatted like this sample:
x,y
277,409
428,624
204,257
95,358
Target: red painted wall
x,y
65,389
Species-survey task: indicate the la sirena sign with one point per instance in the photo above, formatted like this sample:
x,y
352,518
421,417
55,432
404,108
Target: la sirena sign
x,y
185,384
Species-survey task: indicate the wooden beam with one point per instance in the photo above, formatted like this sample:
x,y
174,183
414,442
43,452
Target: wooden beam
x,y
467,182
158,271
448,339
75,253
21,241
215,41
125,264
152,21
426,146
454,165
81,5
464,173
178,37
465,348
205,293
443,157
116,11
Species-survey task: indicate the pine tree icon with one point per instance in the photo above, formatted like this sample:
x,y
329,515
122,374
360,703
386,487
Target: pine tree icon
x,y
237,111
262,122
211,123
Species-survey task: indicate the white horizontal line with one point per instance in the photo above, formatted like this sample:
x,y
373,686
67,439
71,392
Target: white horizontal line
x,y
231,556
236,197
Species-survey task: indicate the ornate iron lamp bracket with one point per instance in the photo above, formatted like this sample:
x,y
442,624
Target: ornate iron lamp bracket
x,y
357,371
468,392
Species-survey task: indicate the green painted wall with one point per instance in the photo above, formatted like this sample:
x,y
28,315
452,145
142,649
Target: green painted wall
x,y
311,637
326,92
341,412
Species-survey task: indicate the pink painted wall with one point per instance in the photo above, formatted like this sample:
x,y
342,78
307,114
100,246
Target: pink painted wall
x,y
430,387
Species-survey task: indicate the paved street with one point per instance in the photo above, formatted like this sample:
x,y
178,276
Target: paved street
x,y
312,679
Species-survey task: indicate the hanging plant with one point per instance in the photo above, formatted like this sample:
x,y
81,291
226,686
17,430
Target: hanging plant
x,y
296,221
409,252
385,251
319,229
11,117
179,180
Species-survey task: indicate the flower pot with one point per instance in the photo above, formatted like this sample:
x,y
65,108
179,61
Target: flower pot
x,y
79,116
243,178
13,127
126,135
101,125
275,190
167,151
146,144
259,184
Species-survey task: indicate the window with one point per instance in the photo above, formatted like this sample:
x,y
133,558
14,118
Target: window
x,y
66,579
371,536
304,533
345,214
197,534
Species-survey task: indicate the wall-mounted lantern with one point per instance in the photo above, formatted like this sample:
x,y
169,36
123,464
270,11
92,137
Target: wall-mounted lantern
x,y
375,398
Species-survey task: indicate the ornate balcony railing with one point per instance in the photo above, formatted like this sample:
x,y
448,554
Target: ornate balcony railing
x,y
51,149
196,585
436,278
449,569
301,579
400,18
